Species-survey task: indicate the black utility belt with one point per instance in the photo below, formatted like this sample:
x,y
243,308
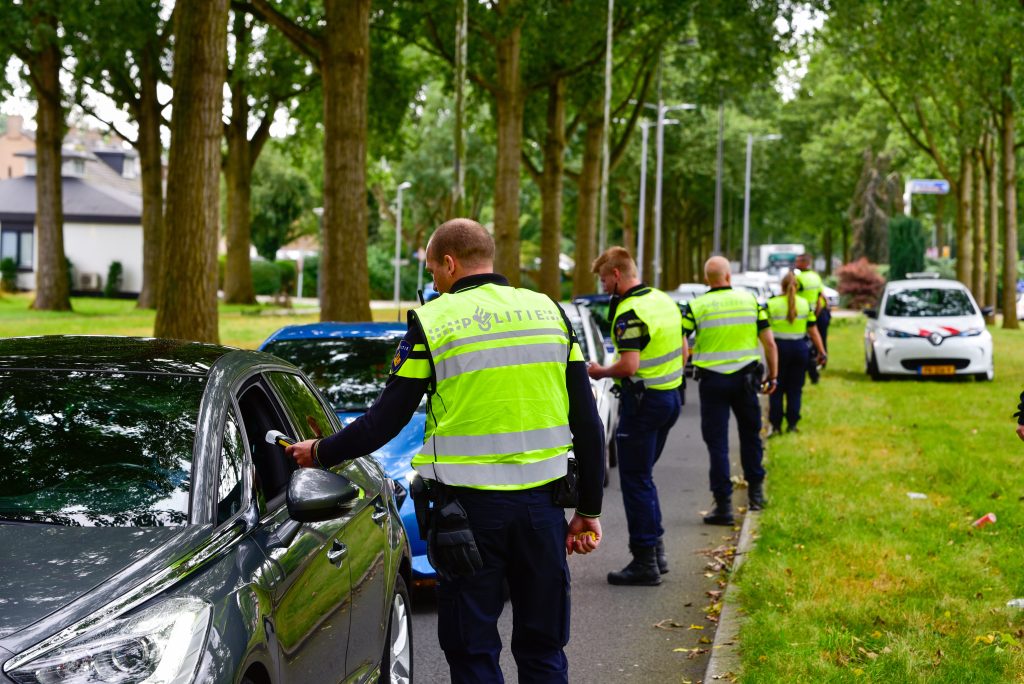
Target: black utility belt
x,y
752,368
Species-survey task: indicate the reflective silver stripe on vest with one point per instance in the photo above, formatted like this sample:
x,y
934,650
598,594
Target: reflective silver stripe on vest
x,y
499,335
726,355
658,360
790,336
728,320
482,359
660,380
500,443
493,474
731,367
722,312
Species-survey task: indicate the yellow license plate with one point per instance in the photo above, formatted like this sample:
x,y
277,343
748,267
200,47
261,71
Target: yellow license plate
x,y
938,370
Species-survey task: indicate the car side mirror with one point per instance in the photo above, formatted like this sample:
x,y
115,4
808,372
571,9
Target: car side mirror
x,y
315,495
987,311
870,313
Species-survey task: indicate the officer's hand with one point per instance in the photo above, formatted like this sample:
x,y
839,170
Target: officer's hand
x,y
583,536
822,360
1020,431
302,452
595,371
769,386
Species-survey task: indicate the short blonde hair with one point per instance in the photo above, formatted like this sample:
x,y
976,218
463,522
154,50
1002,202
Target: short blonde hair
x,y
615,257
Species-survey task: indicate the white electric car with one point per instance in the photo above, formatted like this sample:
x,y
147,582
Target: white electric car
x,y
928,327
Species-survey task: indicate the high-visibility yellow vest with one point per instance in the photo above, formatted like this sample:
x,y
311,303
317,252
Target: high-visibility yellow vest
x,y
498,412
782,328
726,324
810,287
661,361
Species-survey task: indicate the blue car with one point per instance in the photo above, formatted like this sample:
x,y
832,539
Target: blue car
x,y
349,363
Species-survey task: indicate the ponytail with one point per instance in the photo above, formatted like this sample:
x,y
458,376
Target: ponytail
x,y
789,286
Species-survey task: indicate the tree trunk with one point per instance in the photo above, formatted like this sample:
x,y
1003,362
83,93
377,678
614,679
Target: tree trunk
x,y
846,242
551,181
52,290
628,226
187,297
963,220
992,183
586,209
344,280
152,177
1009,203
826,248
238,287
978,267
509,101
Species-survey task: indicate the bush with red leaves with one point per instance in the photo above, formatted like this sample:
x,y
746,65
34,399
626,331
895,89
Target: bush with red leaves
x,y
860,283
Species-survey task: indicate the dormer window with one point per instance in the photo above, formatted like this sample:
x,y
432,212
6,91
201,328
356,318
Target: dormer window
x,y
73,168
130,169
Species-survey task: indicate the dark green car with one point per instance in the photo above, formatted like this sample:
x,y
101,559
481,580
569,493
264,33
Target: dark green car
x,y
152,532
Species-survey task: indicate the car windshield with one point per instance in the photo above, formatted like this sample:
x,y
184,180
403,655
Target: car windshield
x,y
577,327
350,371
97,449
928,301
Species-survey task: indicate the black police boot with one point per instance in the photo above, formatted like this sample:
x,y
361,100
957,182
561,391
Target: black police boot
x,y
662,559
642,571
721,514
755,496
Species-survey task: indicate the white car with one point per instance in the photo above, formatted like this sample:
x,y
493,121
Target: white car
x,y
831,296
592,343
687,291
927,327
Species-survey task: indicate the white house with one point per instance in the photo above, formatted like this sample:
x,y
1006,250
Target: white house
x,y
102,219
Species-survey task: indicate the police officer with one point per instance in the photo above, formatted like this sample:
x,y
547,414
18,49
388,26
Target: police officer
x,y
647,332
728,324
792,322
1019,415
810,288
507,398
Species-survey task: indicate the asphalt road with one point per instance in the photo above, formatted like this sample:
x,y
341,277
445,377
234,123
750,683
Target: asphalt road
x,y
614,638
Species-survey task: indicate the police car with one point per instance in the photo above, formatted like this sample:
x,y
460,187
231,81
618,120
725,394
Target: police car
x,y
927,326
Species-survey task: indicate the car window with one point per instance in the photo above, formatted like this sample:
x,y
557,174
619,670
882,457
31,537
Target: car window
x,y
350,371
273,468
302,406
229,478
97,449
928,301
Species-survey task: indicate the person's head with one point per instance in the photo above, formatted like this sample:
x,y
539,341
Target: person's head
x,y
458,248
803,261
617,270
789,288
716,272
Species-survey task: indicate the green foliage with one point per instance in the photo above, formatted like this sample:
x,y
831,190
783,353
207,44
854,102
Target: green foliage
x,y
114,277
282,201
8,275
288,272
266,277
906,247
310,274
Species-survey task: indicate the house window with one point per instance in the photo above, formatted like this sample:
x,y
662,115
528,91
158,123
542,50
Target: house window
x,y
17,245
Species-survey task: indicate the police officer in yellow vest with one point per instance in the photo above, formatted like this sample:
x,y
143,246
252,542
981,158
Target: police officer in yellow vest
x,y
809,287
792,322
647,332
728,324
507,399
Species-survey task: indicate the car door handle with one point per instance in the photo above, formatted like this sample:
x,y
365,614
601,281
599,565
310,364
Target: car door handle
x,y
380,512
337,553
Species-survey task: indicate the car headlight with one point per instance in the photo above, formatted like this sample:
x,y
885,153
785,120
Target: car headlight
x,y
889,332
158,645
972,332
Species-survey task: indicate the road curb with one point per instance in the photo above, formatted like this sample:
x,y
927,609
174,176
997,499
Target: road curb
x,y
725,658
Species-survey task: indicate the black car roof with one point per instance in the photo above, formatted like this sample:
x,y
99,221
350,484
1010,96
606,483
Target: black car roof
x,y
110,354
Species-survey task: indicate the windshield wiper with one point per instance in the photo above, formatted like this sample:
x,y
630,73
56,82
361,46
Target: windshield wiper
x,y
7,519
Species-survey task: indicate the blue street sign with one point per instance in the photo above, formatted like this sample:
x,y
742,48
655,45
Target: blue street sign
x,y
929,186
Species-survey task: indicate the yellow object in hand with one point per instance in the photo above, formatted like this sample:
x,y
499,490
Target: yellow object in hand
x,y
582,535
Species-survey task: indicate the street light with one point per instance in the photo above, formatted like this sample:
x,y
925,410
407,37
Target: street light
x,y
746,195
398,245
644,125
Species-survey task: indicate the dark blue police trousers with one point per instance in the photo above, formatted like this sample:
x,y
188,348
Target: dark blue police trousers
x,y
720,393
793,359
824,318
640,438
521,537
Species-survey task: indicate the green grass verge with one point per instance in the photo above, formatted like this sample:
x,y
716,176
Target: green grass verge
x,y
853,581
243,326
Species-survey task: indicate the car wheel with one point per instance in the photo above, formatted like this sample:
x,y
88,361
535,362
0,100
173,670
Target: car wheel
x,y
986,376
872,368
396,663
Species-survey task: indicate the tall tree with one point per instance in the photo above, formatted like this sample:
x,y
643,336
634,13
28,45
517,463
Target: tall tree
x,y
35,32
188,310
337,42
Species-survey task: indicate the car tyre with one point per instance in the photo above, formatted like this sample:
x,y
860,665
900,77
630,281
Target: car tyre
x,y
987,376
872,368
396,663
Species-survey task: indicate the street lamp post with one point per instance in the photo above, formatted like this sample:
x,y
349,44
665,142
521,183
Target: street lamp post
x,y
746,195
662,109
398,246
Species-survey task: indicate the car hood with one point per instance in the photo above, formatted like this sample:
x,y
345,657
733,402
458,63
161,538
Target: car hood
x,y
45,568
396,456
946,326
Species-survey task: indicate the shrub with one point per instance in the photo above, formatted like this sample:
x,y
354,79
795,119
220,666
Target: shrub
x,y
114,276
8,275
266,278
310,273
860,284
288,273
906,247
